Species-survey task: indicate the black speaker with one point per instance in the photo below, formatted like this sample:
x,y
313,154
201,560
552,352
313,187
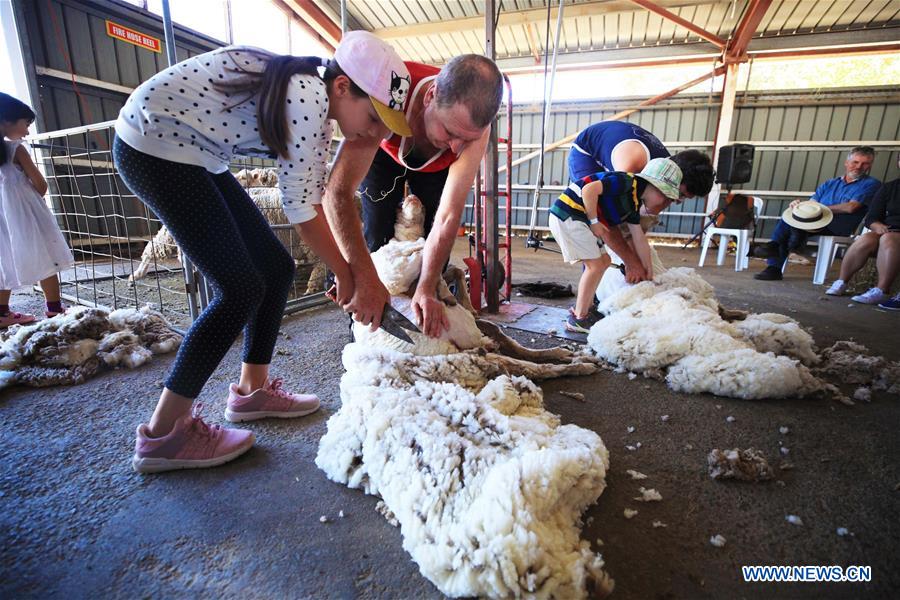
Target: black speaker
x,y
735,164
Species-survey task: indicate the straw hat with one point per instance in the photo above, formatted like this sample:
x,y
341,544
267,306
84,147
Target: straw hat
x,y
809,215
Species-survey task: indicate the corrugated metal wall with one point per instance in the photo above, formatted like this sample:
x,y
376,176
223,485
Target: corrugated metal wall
x,y
836,120
61,38
69,36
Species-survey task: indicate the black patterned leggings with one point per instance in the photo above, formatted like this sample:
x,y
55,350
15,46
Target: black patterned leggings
x,y
220,229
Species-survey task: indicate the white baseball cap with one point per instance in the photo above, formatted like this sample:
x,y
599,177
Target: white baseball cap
x,y
378,70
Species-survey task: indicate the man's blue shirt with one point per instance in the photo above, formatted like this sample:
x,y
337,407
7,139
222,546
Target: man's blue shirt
x,y
837,191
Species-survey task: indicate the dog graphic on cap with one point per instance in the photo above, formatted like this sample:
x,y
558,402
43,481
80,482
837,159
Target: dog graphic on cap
x,y
399,90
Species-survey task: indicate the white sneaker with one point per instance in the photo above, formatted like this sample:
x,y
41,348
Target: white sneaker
x,y
837,288
873,296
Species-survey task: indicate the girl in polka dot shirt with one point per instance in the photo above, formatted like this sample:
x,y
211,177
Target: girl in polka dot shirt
x,y
174,139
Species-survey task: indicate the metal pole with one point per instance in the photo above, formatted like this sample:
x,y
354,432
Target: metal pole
x,y
229,34
169,33
343,16
190,278
492,280
545,115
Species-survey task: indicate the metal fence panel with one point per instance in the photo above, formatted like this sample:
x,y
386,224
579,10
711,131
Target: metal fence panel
x,y
114,236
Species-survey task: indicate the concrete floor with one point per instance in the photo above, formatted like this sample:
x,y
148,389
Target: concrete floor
x,y
78,523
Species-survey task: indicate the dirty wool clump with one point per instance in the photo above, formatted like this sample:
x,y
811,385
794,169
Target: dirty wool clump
x,y
743,465
673,327
487,486
75,346
853,363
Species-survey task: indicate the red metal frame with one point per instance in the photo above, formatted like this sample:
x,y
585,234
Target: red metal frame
x,y
476,263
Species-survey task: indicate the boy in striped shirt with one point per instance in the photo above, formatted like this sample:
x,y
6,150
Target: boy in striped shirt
x,y
587,215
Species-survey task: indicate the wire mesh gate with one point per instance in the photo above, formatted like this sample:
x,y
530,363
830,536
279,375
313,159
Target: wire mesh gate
x,y
124,256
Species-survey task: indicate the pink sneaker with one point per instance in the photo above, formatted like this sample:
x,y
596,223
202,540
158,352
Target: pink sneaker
x,y
192,444
14,318
269,401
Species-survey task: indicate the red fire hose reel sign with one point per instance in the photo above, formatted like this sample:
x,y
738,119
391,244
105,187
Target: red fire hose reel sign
x,y
126,34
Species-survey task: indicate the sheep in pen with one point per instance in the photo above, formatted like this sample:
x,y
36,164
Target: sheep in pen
x,y
262,187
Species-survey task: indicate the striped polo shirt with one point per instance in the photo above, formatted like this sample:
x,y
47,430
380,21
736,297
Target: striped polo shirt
x,y
618,203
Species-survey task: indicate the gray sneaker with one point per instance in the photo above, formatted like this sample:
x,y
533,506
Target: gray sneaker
x,y
583,325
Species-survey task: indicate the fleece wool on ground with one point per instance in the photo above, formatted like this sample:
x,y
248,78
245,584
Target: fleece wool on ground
x,y
75,346
487,486
672,325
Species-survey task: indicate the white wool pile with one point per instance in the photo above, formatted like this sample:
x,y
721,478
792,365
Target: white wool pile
x,y
74,346
613,280
772,332
672,323
486,485
743,373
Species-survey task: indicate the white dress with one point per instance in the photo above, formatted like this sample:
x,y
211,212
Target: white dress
x,y
32,247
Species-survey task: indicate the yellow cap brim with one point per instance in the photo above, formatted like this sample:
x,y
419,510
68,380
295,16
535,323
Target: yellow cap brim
x,y
394,119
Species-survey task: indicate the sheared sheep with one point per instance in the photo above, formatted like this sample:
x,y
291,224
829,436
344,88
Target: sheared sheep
x,y
487,486
72,347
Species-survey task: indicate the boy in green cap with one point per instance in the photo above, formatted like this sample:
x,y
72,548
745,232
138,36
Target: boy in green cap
x,y
587,215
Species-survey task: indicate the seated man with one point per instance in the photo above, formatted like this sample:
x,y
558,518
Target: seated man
x,y
847,198
625,147
882,242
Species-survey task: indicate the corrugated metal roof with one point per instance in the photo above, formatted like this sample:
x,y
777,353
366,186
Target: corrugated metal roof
x,y
433,31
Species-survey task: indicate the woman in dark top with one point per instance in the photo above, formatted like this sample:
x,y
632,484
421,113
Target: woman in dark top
x,y
881,241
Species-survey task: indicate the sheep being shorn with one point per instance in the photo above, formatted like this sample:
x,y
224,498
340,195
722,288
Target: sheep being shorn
x,y
72,347
487,486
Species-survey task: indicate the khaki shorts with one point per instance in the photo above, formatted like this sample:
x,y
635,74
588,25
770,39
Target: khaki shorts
x,y
575,239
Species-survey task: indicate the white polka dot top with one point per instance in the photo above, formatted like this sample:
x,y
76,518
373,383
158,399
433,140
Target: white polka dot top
x,y
178,115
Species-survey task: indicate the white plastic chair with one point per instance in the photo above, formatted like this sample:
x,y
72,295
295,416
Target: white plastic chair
x,y
742,238
827,252
828,247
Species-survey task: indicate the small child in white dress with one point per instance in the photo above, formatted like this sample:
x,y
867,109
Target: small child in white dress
x,y
32,248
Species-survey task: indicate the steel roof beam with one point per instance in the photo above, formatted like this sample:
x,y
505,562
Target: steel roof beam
x,y
315,18
709,37
842,42
520,17
743,33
